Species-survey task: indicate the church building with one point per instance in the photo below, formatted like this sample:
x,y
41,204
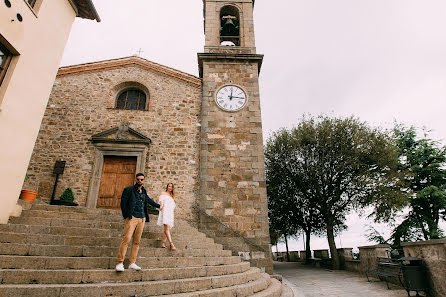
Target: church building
x,y
111,119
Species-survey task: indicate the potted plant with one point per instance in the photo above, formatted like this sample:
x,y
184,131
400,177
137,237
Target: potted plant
x,y
67,198
28,195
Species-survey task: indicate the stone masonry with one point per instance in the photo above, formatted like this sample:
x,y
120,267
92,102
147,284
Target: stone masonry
x,y
82,104
233,183
214,157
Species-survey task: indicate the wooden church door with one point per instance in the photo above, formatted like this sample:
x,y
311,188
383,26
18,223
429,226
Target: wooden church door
x,y
117,173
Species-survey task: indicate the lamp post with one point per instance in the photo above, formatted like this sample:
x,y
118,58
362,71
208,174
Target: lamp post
x,y
59,168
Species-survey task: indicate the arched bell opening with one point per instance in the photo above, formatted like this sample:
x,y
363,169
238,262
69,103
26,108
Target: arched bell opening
x,y
229,26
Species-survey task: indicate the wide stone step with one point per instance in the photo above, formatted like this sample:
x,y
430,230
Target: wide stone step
x,y
181,227
78,209
252,278
74,276
49,239
274,290
71,215
44,262
95,232
242,290
108,220
88,251
63,222
92,218
286,291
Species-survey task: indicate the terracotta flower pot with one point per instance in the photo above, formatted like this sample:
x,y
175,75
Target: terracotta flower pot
x,y
28,195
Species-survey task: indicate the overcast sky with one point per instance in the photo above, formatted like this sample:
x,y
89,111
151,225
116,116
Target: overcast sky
x,y
380,60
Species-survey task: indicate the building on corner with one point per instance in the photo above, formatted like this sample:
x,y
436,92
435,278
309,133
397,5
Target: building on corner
x,y
33,34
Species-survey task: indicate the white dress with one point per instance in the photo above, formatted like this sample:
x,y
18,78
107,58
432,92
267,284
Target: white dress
x,y
166,215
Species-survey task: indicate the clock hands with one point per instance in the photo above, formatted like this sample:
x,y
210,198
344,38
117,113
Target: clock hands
x,y
231,98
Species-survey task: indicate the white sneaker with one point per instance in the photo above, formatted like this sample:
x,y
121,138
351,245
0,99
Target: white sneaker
x,y
120,267
134,266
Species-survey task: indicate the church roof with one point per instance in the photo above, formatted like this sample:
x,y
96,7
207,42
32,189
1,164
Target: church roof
x,y
86,10
129,61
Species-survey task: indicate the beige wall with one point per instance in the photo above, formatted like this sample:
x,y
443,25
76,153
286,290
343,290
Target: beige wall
x,y
82,105
39,40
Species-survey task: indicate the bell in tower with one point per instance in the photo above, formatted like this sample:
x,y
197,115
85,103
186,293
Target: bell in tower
x,y
229,26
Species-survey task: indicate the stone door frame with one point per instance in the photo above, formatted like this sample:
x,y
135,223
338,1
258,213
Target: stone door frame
x,y
112,149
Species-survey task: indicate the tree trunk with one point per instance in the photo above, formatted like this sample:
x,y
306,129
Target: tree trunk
x,y
307,246
433,225
287,252
423,229
433,231
332,243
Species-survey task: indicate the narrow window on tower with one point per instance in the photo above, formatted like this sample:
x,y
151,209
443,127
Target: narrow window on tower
x,y
229,26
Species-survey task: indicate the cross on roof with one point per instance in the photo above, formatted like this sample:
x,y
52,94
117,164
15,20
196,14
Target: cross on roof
x,y
139,52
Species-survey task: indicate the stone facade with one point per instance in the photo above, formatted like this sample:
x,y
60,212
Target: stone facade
x,y
214,157
82,104
233,183
233,174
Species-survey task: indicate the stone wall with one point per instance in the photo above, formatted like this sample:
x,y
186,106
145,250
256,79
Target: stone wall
x,y
233,183
82,104
368,255
433,253
353,265
233,186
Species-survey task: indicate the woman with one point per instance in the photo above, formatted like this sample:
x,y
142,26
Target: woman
x,y
166,217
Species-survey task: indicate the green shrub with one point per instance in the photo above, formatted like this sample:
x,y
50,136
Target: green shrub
x,y
67,195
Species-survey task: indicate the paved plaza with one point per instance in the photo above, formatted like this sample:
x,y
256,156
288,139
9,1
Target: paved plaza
x,y
308,281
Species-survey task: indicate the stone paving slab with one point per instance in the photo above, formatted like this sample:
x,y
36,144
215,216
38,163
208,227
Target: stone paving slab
x,y
308,281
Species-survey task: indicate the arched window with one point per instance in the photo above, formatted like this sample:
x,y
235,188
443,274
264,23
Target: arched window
x,y
131,99
229,26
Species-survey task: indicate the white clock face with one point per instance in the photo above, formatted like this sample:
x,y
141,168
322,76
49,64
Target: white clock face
x,y
230,98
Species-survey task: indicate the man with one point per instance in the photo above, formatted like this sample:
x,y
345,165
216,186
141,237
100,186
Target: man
x,y
135,213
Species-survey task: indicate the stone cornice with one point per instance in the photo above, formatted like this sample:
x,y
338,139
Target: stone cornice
x,y
425,242
129,61
254,58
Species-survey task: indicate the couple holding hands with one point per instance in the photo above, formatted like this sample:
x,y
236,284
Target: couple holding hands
x,y
134,201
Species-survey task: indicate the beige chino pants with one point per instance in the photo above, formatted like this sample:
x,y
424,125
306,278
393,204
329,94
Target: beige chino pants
x,y
132,227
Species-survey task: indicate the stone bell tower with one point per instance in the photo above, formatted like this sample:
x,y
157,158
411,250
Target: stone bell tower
x,y
233,187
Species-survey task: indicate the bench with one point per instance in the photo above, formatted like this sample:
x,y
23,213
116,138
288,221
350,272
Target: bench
x,y
385,270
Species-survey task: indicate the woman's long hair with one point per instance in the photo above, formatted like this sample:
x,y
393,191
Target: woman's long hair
x,y
172,193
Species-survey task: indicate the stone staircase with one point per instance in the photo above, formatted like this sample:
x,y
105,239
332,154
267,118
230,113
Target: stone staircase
x,y
70,251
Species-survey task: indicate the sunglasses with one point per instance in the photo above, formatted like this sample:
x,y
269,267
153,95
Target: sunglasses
x,y
140,179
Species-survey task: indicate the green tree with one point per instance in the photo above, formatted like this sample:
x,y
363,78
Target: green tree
x,y
425,160
342,164
288,212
